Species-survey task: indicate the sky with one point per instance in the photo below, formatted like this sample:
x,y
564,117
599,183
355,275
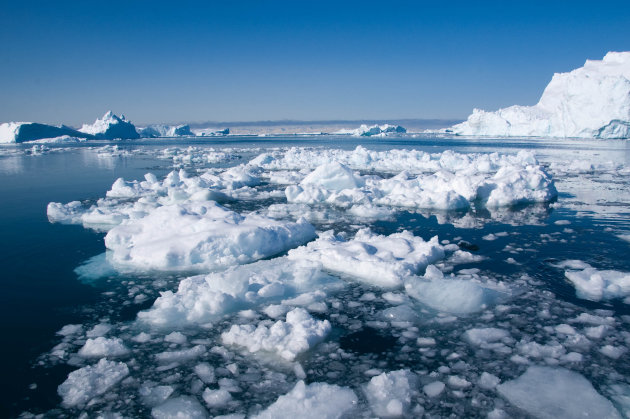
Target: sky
x,y
69,62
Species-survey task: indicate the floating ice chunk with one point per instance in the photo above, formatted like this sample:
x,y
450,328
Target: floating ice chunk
x,y
537,350
379,260
181,355
546,392
180,408
155,395
595,285
434,389
334,176
458,383
451,295
201,299
390,393
200,236
175,337
103,347
100,329
216,398
484,336
613,352
205,372
84,384
289,338
316,401
488,381
70,329
591,101
517,185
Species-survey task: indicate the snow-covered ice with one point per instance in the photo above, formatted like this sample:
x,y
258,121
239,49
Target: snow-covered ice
x,y
84,384
596,285
316,400
380,260
287,338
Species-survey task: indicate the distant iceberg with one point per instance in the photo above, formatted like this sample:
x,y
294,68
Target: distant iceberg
x,y
161,130
589,102
111,127
373,131
19,132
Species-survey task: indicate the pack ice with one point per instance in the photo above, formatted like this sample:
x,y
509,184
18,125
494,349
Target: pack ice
x,y
592,101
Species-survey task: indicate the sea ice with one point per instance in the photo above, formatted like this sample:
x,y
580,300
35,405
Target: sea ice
x,y
200,235
316,401
390,394
182,407
546,392
595,285
103,347
161,130
289,338
379,260
454,295
591,101
201,299
84,384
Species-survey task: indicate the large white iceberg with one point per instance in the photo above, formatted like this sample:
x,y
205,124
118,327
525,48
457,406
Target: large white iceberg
x,y
111,127
592,101
19,132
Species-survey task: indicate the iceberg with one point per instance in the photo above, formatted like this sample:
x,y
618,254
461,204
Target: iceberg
x,y
19,132
374,130
161,130
592,101
111,127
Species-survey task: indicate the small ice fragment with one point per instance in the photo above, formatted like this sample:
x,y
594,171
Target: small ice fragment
x,y
434,389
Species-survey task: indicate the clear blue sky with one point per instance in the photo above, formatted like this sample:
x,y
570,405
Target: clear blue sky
x,y
257,60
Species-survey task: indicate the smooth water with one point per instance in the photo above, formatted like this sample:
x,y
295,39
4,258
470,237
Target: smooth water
x,y
41,291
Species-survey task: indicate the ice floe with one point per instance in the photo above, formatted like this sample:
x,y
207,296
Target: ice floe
x,y
316,400
596,285
287,338
546,392
84,384
380,260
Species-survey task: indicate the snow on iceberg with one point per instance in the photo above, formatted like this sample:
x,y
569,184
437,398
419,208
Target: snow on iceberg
x,y
84,384
379,260
200,235
313,401
111,127
288,339
546,392
203,298
161,130
592,101
596,285
19,132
